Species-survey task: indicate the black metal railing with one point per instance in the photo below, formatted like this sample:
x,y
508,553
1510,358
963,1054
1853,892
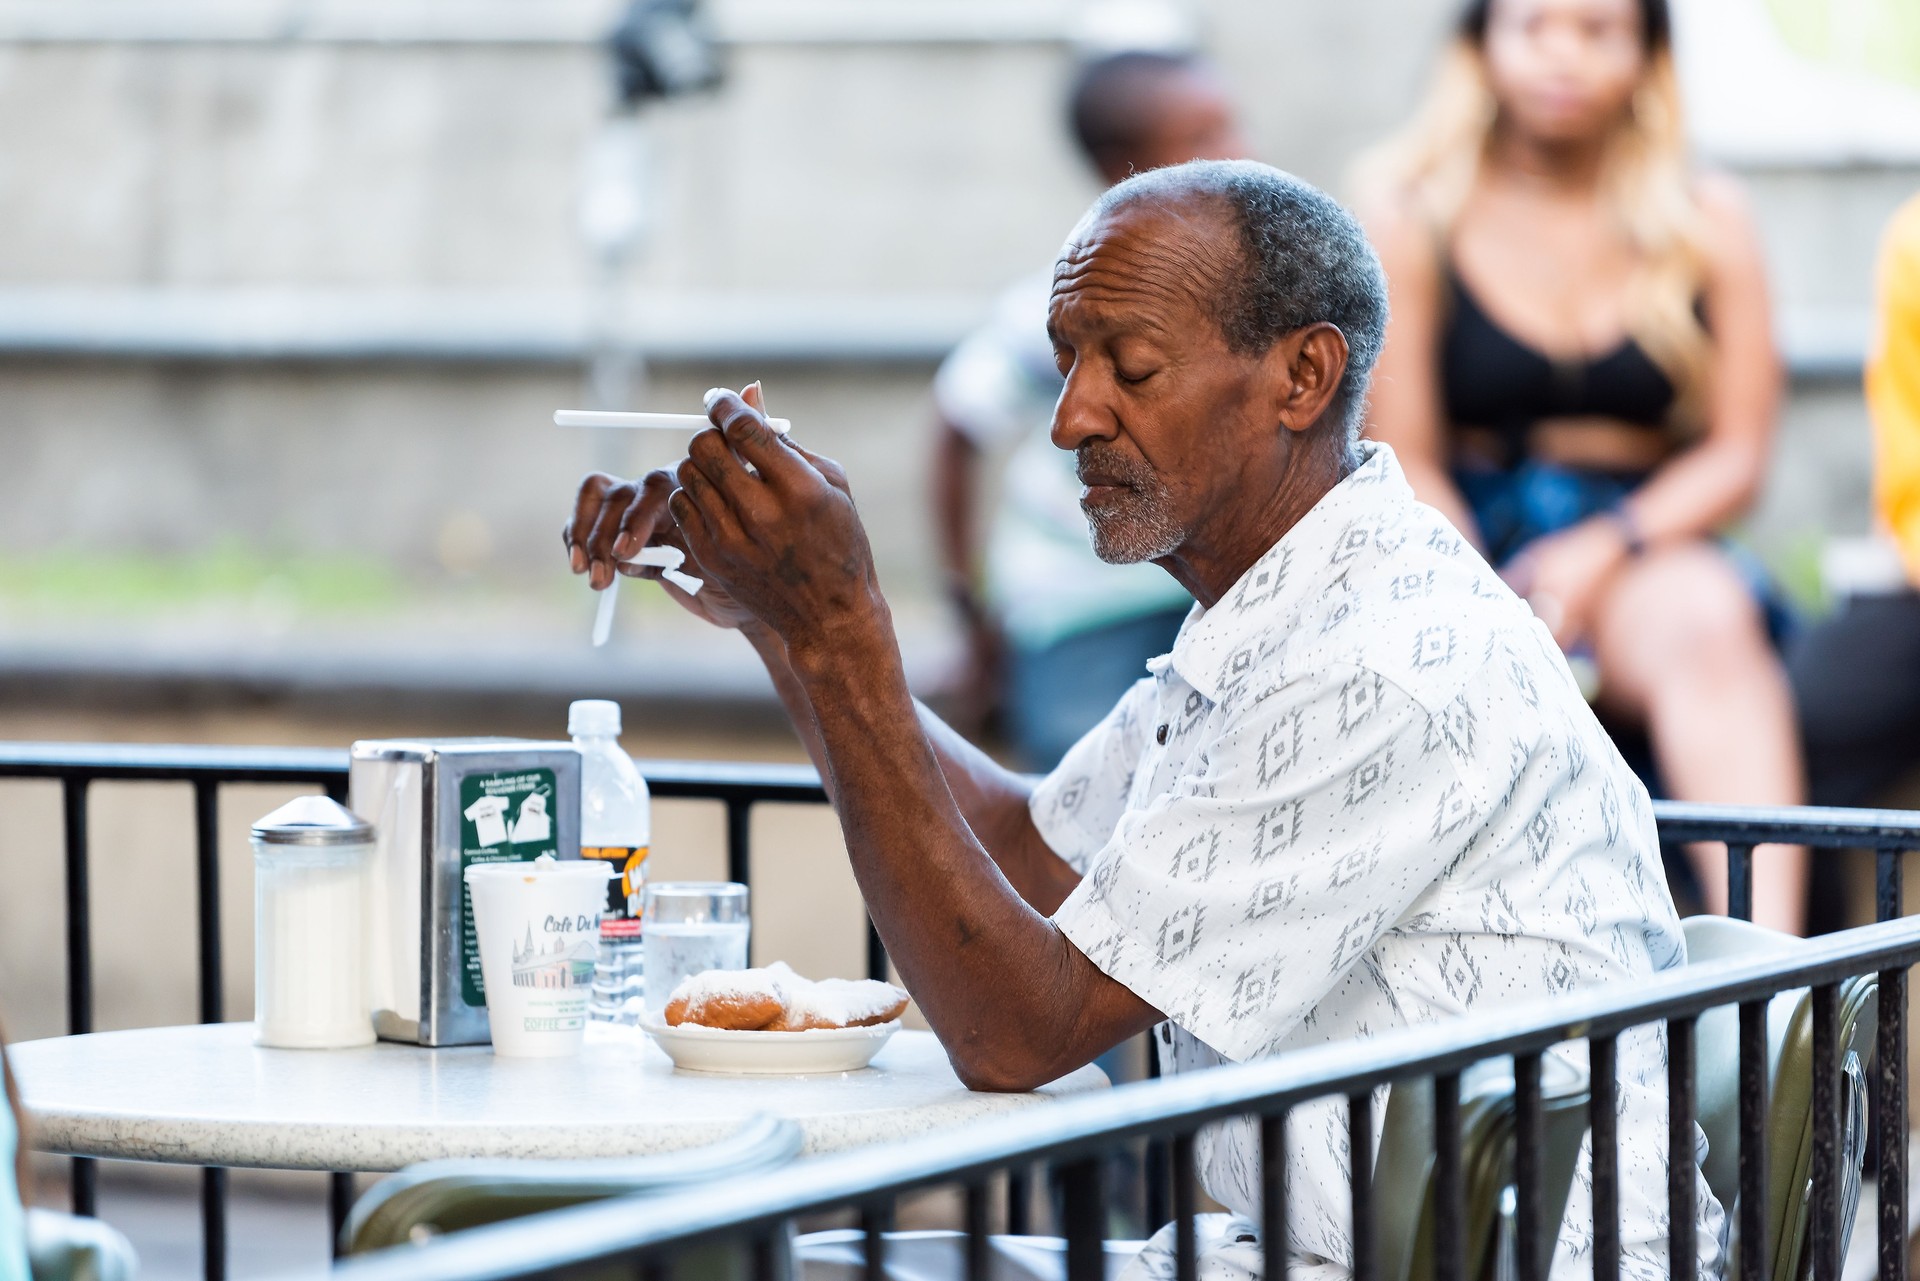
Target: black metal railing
x,y
753,1215
77,766
739,787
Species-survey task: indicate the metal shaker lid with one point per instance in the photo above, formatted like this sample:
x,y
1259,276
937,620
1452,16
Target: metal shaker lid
x,y
313,820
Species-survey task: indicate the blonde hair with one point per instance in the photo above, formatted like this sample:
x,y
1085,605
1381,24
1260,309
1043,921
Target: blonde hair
x,y
1646,183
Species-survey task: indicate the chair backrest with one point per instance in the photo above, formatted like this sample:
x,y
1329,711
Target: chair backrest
x,y
67,1247
1403,1183
1789,1084
445,1196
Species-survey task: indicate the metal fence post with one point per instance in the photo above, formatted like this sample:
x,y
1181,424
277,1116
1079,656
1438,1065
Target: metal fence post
x,y
1756,1224
739,840
1683,1259
1739,881
1529,1135
1360,1172
213,1182
1273,1196
1604,1119
1824,1213
1890,1080
73,800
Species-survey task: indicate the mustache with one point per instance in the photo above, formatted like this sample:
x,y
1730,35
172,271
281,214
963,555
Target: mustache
x,y
1097,465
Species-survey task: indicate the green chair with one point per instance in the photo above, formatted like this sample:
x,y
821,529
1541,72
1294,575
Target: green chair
x,y
1403,1175
1790,1092
66,1247
433,1197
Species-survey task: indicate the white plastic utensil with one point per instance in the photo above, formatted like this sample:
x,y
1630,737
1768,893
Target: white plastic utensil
x,y
658,422
603,615
668,561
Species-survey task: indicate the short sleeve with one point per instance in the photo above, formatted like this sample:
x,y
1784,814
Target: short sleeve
x,y
1077,806
1247,890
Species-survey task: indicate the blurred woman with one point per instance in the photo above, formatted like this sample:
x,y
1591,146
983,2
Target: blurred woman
x,y
1580,373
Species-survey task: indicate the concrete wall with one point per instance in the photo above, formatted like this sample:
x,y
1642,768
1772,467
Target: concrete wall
x,y
867,176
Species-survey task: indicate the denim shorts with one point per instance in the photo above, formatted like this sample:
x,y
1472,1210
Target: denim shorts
x,y
1518,505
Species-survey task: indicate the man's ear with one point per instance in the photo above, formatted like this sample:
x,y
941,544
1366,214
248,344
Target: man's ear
x,y
1308,366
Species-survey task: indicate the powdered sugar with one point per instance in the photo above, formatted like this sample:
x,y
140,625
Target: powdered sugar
x,y
840,1002
735,985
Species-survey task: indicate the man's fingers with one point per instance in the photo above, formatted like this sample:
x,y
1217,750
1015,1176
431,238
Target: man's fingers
x,y
746,430
692,524
835,474
644,516
587,504
722,468
717,519
606,528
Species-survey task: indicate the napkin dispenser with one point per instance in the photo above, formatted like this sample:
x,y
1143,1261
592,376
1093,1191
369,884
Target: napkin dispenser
x,y
438,806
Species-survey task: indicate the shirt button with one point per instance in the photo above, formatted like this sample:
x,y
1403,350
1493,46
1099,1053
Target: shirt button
x,y
1160,736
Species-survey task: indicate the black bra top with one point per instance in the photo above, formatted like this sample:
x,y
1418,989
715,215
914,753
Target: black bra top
x,y
1491,379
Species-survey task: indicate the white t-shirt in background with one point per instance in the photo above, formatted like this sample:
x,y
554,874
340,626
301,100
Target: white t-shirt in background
x,y
998,388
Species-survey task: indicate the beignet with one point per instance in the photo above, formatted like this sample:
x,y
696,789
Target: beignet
x,y
776,999
737,1000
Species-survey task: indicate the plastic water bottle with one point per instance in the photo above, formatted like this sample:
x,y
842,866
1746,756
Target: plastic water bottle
x,y
616,824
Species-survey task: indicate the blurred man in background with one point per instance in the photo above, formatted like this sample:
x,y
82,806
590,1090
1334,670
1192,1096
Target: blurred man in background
x,y
1059,631
1857,676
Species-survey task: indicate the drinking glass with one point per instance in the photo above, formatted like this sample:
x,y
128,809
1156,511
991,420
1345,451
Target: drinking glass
x,y
688,928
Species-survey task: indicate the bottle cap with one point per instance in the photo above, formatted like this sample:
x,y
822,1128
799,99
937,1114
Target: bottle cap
x,y
593,718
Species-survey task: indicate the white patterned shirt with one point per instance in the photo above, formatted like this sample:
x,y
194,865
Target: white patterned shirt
x,y
1363,792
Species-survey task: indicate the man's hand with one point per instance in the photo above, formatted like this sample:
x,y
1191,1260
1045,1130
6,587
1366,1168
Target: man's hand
x,y
613,519
775,526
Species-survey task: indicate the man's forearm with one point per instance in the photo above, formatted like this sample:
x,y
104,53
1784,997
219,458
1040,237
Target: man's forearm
x,y
991,798
773,654
986,967
994,800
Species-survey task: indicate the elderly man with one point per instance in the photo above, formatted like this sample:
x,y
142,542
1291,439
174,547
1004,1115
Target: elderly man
x,y
1361,792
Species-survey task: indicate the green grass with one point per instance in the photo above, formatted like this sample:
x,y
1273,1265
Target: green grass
x,y
89,582
1795,563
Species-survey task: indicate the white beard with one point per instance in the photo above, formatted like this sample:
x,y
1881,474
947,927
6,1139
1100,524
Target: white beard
x,y
1138,529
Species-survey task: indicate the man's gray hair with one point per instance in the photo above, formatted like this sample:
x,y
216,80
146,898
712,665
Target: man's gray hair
x,y
1304,261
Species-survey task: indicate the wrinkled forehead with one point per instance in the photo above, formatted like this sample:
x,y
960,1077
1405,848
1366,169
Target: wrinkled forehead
x,y
1161,263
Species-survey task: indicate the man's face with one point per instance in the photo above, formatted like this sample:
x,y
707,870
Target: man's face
x,y
1160,414
1192,120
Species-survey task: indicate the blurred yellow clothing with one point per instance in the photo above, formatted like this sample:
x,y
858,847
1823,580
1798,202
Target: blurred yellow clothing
x,y
1893,387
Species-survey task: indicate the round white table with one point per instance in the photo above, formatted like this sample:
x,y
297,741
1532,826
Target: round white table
x,y
209,1096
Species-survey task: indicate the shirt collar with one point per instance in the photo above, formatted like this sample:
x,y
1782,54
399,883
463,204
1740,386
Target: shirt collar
x,y
1217,647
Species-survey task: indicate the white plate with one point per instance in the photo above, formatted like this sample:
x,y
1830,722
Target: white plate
x,y
710,1049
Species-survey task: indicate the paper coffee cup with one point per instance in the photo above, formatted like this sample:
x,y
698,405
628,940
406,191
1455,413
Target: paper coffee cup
x,y
538,926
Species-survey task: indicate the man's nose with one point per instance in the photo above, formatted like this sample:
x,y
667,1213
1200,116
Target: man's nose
x,y
1079,416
